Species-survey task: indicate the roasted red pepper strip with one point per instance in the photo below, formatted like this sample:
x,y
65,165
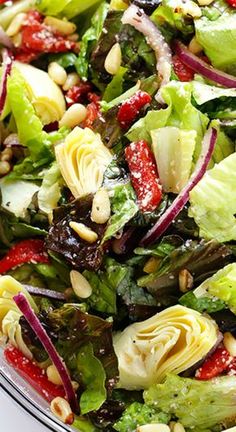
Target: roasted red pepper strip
x,y
144,175
215,365
183,72
232,3
25,251
130,109
33,374
38,38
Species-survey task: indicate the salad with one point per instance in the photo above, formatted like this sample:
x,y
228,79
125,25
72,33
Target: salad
x,y
117,210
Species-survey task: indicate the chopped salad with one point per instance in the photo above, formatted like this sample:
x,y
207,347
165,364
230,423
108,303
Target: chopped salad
x,y
117,210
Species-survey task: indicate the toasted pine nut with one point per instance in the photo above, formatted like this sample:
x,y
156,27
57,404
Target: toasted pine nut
x,y
6,154
194,46
63,27
113,59
178,427
53,375
84,232
192,9
57,73
17,40
230,343
74,37
205,2
5,168
61,408
151,265
16,24
155,427
75,115
101,208
80,285
185,280
71,80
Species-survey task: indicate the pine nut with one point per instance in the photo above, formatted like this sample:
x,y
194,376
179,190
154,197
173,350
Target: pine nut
x,y
185,280
6,154
178,427
57,73
75,115
230,343
71,80
61,408
101,208
192,9
74,37
151,265
84,232
155,427
80,285
194,46
205,2
16,24
53,375
113,59
5,168
63,27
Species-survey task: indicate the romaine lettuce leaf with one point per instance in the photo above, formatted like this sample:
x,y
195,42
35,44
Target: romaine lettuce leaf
x,y
201,304
115,88
218,40
50,190
203,93
65,8
213,202
198,405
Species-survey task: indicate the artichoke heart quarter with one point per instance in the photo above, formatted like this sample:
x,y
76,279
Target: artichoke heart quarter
x,y
170,341
83,159
45,96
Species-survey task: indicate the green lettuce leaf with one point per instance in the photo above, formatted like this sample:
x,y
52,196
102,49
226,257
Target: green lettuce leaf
x,y
93,378
64,8
50,190
124,208
162,249
198,405
138,414
115,88
213,202
89,39
201,304
218,39
179,113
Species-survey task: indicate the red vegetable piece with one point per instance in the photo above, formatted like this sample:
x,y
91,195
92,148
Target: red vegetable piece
x,y
144,175
33,374
130,108
232,3
183,72
23,252
77,93
215,365
93,113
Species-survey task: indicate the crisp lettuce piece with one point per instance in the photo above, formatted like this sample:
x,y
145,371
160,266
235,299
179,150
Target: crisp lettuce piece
x,y
218,39
179,113
17,195
65,8
203,93
222,286
115,88
29,126
138,414
93,378
171,19
198,405
173,149
50,190
201,304
90,37
213,202
124,208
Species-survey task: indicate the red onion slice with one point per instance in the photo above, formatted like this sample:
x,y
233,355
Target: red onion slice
x,y
5,39
40,332
204,69
140,21
6,70
43,292
178,204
